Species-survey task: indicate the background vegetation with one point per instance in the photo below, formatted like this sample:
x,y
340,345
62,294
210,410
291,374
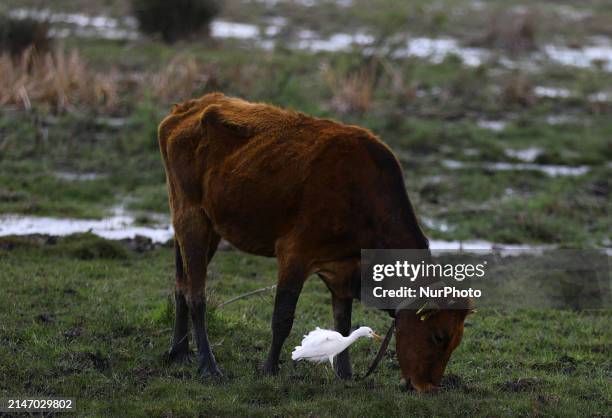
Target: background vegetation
x,y
487,131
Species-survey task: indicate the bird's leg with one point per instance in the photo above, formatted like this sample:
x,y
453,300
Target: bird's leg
x,y
331,361
342,319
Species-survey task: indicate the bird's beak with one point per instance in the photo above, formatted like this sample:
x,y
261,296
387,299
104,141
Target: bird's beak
x,y
378,337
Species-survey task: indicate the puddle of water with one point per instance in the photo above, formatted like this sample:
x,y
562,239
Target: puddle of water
x,y
561,119
121,226
93,32
481,245
552,92
571,13
71,176
583,57
335,43
493,125
550,170
118,226
275,25
83,25
305,3
436,50
111,122
438,225
77,19
225,29
120,29
602,97
527,155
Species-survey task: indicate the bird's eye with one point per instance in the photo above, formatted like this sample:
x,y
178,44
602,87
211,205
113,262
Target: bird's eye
x,y
438,339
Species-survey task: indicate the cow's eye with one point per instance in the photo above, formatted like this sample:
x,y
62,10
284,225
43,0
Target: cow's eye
x,y
438,339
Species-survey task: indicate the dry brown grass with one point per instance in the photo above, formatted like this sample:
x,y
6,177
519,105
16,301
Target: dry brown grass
x,y
61,81
512,31
179,79
353,91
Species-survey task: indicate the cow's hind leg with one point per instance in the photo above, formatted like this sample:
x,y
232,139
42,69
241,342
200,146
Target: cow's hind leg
x,y
291,277
198,242
342,320
180,341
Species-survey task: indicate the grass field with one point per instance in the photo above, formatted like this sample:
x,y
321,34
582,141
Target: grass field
x,y
513,150
95,325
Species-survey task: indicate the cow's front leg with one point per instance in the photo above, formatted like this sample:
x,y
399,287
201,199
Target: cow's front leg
x,y
343,309
287,294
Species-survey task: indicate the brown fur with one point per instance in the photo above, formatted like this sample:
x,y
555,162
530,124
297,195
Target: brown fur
x,y
310,192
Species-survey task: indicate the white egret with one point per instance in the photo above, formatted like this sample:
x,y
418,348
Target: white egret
x,y
323,345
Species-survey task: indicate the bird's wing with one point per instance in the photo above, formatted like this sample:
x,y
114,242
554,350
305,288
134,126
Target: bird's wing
x,y
319,336
317,353
318,345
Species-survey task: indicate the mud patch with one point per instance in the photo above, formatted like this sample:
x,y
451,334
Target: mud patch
x,y
89,246
12,242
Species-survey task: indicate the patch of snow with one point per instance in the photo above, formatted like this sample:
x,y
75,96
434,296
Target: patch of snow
x,y
433,49
305,3
437,49
225,29
71,176
582,57
527,155
550,170
436,224
552,92
482,245
601,97
337,42
77,19
111,122
84,26
571,13
493,125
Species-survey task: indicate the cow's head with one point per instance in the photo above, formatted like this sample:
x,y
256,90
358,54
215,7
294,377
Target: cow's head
x,y
425,339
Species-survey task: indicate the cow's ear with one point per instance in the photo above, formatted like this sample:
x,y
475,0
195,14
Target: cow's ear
x,y
217,117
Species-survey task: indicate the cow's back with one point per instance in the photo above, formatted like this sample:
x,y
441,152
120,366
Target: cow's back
x,y
263,174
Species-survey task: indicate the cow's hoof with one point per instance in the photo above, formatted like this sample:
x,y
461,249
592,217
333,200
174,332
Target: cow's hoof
x,y
180,355
269,369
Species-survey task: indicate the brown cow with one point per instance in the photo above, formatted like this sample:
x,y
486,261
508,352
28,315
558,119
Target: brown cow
x,y
310,192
